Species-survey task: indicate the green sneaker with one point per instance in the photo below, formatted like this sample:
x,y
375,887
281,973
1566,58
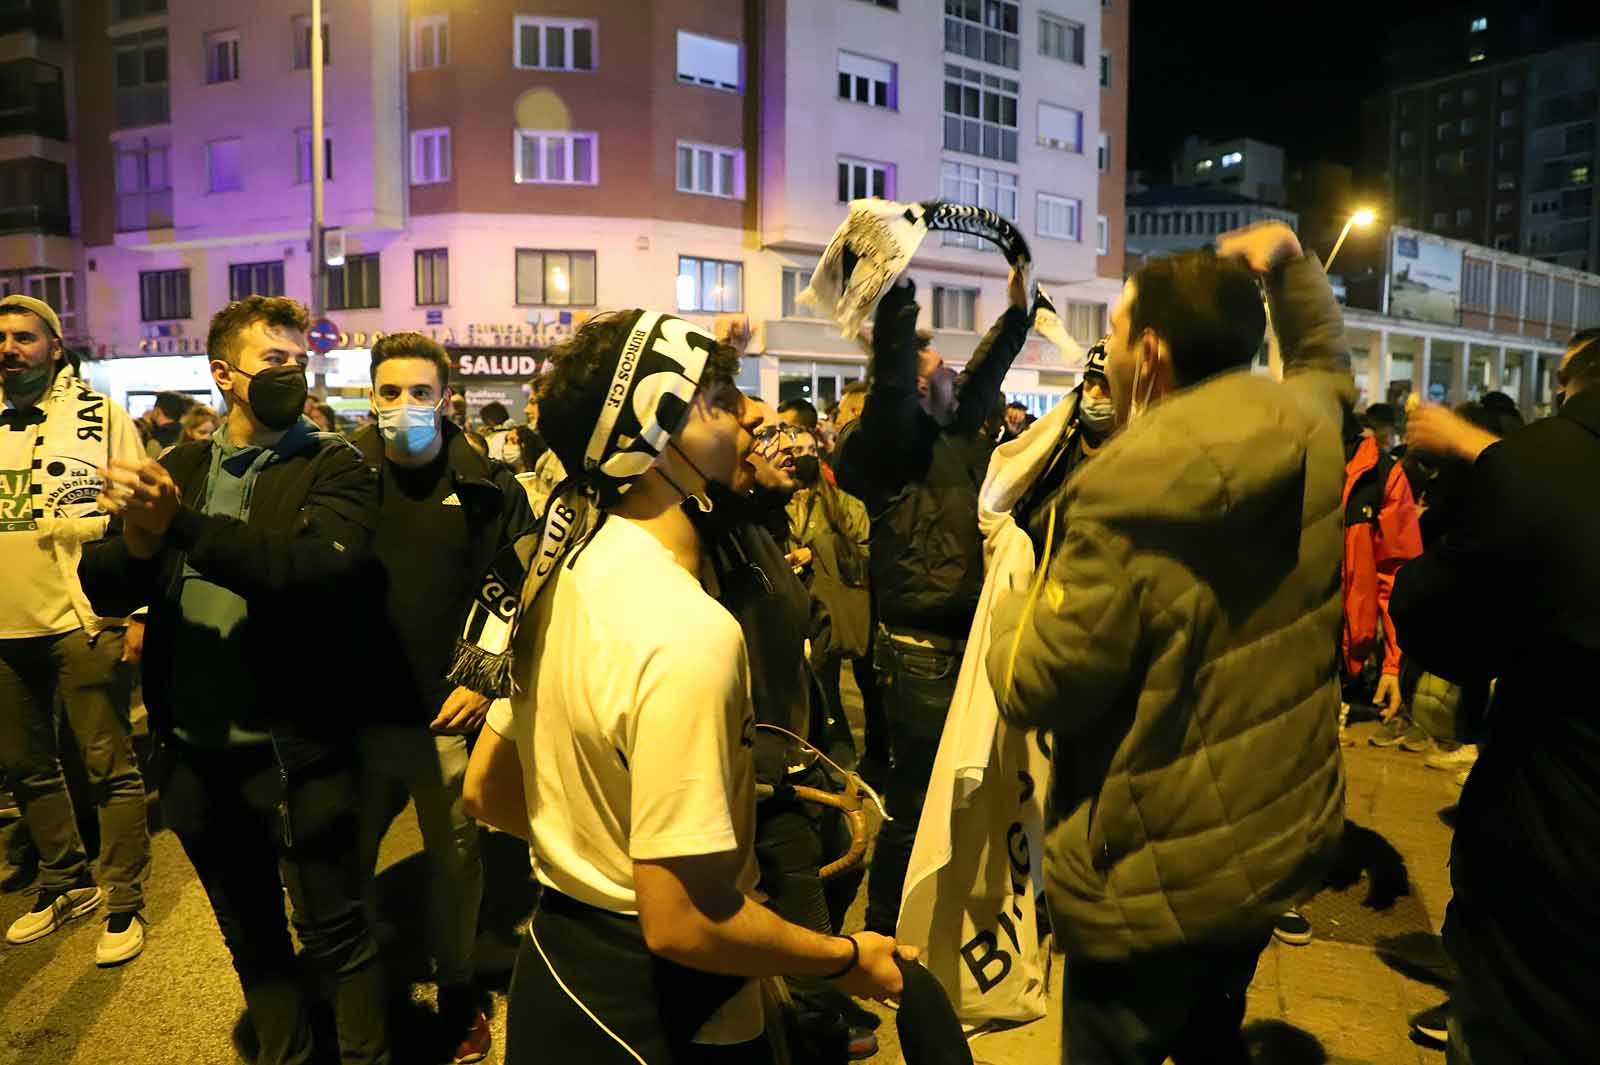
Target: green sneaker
x,y
1393,731
1417,741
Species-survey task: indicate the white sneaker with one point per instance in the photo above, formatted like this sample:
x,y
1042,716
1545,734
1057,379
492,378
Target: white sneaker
x,y
51,911
122,940
1462,757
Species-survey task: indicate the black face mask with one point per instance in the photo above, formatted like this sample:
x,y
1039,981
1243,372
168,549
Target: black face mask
x,y
807,468
277,395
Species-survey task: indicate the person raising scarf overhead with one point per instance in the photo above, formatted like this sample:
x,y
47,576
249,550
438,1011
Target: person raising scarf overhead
x,y
624,753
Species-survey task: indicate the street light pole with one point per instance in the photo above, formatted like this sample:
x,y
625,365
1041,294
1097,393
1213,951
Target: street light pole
x,y
318,169
1360,218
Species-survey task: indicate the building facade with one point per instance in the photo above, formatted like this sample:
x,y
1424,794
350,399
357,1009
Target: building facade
x,y
502,170
1242,166
1169,218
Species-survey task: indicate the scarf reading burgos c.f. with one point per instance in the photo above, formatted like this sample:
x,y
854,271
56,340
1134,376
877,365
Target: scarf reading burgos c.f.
x,y
653,381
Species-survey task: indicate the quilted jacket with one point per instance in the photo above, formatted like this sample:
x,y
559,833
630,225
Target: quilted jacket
x,y
1182,650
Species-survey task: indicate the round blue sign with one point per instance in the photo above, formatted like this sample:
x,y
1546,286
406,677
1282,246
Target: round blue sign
x,y
324,336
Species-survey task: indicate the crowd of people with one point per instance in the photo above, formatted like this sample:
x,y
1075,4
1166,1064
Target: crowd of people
x,y
618,632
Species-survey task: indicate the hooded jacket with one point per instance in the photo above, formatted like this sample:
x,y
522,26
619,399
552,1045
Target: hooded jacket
x,y
1181,648
1380,535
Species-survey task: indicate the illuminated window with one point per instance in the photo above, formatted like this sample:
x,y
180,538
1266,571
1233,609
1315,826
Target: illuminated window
x,y
710,285
1479,25
1233,159
1202,166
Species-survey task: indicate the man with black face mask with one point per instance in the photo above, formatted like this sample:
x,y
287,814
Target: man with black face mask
x,y
236,544
916,457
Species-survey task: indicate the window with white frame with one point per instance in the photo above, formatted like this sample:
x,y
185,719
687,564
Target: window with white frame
x,y
222,56
987,30
795,280
708,61
555,278
1085,322
302,157
866,80
432,276
1060,217
255,279
711,170
1060,128
1105,70
862,178
955,308
1102,235
980,113
555,43
557,157
1060,38
223,166
981,187
60,291
430,156
709,285
302,43
1103,153
430,41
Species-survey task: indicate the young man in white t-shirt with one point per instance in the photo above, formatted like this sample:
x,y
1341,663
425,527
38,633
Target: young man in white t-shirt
x,y
625,754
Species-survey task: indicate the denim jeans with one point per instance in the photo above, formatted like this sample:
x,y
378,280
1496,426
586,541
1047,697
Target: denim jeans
x,y
396,761
917,684
247,844
94,685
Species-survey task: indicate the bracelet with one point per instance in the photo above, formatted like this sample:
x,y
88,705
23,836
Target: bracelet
x,y
855,958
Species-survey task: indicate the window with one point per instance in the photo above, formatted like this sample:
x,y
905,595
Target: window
x,y
981,187
1467,156
1403,168
1233,159
222,56
163,294
860,178
1103,153
1060,39
555,278
1505,151
708,61
556,157
1503,211
955,308
1479,25
1579,175
554,43
302,157
867,81
1102,235
1469,96
144,185
430,156
430,41
1060,127
1062,218
1446,99
710,170
1443,130
355,285
985,30
138,8
302,43
1203,166
139,74
222,166
980,113
1085,322
1510,86
710,285
1477,55
1508,119
1443,164
1105,70
1407,138
1465,126
795,281
1464,216
433,276
255,279
59,291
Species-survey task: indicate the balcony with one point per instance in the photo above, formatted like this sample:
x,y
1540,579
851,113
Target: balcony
x,y
31,99
146,105
144,210
32,218
43,17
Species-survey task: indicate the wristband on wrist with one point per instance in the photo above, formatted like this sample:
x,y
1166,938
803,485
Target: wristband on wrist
x,y
855,958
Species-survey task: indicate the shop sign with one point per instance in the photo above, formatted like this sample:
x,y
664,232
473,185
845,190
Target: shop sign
x,y
499,365
541,330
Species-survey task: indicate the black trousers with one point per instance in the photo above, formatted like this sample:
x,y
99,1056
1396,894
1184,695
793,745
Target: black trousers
x,y
1186,1003
248,844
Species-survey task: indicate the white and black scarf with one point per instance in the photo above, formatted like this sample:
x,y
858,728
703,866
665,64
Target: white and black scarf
x,y
653,384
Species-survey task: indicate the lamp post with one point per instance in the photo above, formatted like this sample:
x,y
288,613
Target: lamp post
x,y
318,162
1360,218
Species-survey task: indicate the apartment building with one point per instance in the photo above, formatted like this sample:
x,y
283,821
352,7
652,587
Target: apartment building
x,y
502,170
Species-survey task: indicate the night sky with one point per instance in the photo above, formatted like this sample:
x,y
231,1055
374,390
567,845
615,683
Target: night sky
x,y
1291,74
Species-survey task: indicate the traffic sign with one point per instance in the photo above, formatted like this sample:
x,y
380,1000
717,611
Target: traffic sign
x,y
324,336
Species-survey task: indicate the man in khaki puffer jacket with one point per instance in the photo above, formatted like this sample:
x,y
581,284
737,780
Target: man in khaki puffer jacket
x,y
1179,647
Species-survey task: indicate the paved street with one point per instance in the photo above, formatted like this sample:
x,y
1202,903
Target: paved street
x,y
1332,1001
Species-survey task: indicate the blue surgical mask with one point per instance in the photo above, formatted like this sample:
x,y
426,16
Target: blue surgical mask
x,y
409,430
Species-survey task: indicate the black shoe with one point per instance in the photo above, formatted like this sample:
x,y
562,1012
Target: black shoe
x,y
1432,1026
1292,928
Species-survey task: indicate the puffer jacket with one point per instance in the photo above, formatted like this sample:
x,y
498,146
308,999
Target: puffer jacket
x,y
1182,647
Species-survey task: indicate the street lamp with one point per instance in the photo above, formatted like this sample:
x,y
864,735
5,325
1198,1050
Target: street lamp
x,y
1362,217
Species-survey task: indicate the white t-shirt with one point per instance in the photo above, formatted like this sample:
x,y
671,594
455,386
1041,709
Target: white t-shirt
x,y
635,729
37,599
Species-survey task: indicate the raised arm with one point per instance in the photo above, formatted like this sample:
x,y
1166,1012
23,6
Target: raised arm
x,y
980,382
893,433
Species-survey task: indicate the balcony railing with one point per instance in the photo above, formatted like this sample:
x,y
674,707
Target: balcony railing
x,y
31,99
43,17
147,105
144,210
31,218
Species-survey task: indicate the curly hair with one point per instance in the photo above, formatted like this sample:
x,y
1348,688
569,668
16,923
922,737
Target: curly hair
x,y
222,341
